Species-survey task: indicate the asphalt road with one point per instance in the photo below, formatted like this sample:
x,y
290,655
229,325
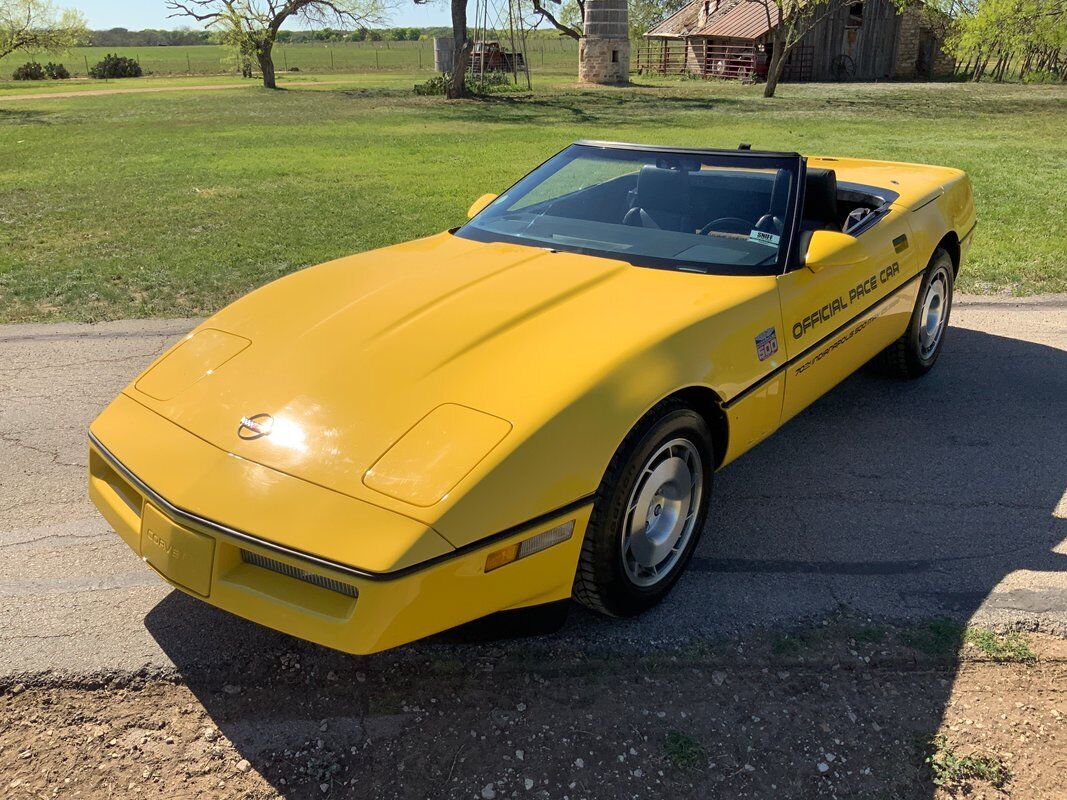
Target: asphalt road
x,y
898,501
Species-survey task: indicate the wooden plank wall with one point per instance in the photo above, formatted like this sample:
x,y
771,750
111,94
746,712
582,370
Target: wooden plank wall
x,y
874,48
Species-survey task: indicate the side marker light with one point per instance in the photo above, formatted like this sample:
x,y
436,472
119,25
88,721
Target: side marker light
x,y
535,544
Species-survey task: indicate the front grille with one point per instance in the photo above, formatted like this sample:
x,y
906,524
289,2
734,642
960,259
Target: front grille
x,y
295,572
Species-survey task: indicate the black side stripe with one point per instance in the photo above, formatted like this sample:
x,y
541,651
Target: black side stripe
x,y
291,552
807,351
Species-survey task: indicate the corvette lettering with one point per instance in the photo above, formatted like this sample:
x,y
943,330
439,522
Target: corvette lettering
x,y
163,545
838,304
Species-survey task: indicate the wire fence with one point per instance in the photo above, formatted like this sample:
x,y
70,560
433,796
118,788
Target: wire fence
x,y
550,54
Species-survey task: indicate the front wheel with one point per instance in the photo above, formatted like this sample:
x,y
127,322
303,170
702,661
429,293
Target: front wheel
x,y
648,513
916,352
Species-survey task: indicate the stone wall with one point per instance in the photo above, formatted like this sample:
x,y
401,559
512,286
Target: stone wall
x,y
913,32
604,60
604,51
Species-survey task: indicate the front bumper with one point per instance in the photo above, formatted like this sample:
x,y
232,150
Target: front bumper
x,y
299,591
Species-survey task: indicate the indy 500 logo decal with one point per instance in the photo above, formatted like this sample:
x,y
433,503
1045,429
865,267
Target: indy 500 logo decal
x,y
766,344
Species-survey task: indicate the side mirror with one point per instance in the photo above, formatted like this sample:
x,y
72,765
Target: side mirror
x,y
827,249
479,204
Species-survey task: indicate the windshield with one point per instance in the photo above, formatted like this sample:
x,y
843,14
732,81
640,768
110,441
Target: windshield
x,y
704,212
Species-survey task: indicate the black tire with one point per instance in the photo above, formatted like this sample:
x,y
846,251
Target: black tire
x,y
602,583
909,356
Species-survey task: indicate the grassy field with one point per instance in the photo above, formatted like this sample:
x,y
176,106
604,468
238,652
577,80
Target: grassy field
x,y
332,57
174,204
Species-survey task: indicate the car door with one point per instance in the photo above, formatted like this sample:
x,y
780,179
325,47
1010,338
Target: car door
x,y
839,317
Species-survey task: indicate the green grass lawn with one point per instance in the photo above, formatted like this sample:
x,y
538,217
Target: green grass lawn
x,y
333,57
176,203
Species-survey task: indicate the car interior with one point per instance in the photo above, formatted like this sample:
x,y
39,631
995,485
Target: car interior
x,y
677,212
729,203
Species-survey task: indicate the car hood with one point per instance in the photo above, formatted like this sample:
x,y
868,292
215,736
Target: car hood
x,y
456,347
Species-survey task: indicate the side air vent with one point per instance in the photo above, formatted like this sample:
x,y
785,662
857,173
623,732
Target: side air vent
x,y
295,572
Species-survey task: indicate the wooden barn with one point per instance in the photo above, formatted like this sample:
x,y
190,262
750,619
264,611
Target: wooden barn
x,y
864,41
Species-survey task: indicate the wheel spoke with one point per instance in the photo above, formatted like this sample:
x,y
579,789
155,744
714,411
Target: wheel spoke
x,y
661,512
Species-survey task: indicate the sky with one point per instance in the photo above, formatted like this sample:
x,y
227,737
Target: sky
x,y
103,14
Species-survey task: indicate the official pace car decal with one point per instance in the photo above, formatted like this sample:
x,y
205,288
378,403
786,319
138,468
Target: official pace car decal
x,y
766,343
839,304
817,357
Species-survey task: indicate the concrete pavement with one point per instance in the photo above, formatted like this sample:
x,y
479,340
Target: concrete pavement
x,y
898,501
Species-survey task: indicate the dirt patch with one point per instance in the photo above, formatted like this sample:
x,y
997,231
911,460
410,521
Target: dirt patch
x,y
840,711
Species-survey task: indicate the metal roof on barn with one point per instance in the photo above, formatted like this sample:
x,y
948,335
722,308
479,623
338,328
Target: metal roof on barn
x,y
733,19
686,20
748,19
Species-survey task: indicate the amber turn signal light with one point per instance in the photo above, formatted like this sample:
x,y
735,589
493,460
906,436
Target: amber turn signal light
x,y
527,547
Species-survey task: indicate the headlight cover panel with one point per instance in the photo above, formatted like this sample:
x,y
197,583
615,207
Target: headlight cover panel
x,y
436,454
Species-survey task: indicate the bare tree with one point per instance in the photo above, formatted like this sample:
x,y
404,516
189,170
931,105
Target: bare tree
x,y
251,26
38,26
790,21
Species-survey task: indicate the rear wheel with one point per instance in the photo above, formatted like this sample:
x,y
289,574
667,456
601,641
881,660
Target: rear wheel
x,y
916,352
648,513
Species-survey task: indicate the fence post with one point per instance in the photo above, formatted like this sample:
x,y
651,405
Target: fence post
x,y
188,62
86,64
331,59
376,58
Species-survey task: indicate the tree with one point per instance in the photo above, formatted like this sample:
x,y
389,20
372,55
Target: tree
x,y
790,21
1023,36
252,26
38,26
567,19
644,14
456,86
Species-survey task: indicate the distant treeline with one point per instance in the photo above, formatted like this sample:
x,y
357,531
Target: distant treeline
x,y
121,37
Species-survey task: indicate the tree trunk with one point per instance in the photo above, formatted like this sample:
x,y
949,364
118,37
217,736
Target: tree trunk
x,y
779,54
266,66
457,84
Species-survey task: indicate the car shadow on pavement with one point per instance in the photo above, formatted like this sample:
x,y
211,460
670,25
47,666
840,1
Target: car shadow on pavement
x,y
890,502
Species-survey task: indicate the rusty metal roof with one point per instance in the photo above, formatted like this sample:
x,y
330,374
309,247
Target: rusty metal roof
x,y
749,19
733,19
680,22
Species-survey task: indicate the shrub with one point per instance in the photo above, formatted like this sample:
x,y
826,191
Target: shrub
x,y
493,83
1042,76
30,71
114,66
434,86
56,72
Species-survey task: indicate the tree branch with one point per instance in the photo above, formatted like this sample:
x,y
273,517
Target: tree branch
x,y
567,30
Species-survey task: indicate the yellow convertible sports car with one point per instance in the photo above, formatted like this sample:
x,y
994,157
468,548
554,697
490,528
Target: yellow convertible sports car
x,y
529,407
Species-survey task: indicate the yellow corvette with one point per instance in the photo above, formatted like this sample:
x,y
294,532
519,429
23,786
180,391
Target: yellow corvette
x,y
529,407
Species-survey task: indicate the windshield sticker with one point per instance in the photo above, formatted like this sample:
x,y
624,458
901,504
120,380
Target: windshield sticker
x,y
763,237
766,344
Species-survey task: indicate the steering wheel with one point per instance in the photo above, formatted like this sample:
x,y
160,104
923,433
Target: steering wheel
x,y
727,225
769,224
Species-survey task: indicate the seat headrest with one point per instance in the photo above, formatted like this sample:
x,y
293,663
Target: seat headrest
x,y
783,179
820,196
663,189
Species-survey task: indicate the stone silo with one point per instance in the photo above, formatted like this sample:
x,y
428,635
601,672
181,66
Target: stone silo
x,y
604,50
